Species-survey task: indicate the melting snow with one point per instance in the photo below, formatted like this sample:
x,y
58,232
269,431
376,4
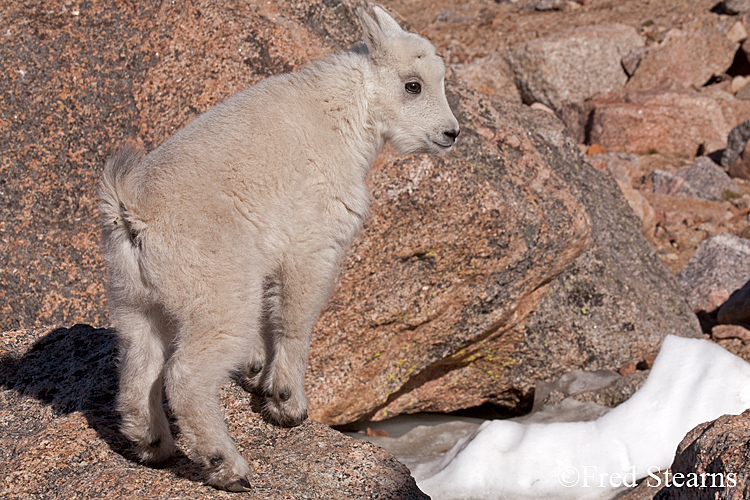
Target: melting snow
x,y
692,381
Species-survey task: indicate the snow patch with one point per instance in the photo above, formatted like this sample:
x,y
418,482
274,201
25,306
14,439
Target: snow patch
x,y
692,381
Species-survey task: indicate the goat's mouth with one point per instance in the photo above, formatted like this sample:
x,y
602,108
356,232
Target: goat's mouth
x,y
443,146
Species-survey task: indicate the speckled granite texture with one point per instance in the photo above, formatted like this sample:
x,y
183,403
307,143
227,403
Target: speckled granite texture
x,y
505,261
76,80
59,439
79,78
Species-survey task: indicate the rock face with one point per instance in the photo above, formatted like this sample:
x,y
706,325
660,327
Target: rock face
x,y
59,439
80,81
573,65
479,272
668,122
624,168
491,75
517,265
717,453
685,57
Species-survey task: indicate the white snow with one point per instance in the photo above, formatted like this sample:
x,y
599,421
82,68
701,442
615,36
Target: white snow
x,y
692,381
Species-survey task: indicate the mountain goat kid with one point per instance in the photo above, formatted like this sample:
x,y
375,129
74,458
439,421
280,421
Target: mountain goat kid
x,y
223,244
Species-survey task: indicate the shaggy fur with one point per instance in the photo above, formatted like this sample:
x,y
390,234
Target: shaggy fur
x,y
236,226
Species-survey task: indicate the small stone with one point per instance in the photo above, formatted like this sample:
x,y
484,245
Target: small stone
x,y
631,60
543,5
703,179
737,33
666,183
377,432
738,82
542,107
721,332
627,369
707,180
736,143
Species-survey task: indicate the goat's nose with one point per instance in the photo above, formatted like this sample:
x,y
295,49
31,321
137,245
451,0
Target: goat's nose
x,y
452,134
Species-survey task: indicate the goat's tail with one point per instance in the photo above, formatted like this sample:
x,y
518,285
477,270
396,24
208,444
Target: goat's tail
x,y
122,229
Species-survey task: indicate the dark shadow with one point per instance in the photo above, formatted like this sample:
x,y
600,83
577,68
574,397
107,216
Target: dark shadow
x,y
716,156
740,64
75,370
489,411
720,9
708,320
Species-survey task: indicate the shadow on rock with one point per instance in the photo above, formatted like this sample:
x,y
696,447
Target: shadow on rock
x,y
75,370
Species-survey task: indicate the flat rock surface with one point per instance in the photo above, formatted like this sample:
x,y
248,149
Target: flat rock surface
x,y
475,28
59,438
669,122
687,56
573,65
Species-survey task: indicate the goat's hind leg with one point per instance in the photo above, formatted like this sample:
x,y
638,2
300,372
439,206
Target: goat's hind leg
x,y
208,350
144,338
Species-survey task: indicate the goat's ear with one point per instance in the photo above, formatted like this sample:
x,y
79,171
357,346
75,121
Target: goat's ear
x,y
389,25
377,29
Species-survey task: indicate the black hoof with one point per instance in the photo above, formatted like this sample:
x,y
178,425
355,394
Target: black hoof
x,y
216,460
285,395
256,368
241,484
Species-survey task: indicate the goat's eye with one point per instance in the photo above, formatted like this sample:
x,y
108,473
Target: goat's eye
x,y
413,87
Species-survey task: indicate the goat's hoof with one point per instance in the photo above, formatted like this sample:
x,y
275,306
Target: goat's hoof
x,y
285,409
228,478
238,485
157,451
